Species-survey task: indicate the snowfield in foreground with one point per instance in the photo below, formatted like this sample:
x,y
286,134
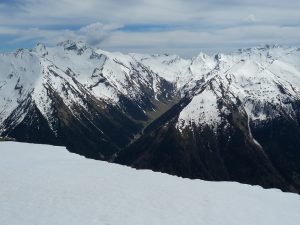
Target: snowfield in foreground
x,y
48,185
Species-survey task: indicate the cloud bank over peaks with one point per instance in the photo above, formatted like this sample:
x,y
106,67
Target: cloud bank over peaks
x,y
151,26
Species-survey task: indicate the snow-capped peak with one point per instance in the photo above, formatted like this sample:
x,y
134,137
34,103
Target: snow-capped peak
x,y
40,49
261,75
73,45
265,79
73,70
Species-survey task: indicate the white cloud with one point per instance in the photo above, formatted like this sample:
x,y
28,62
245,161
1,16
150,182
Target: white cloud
x,y
95,33
92,34
190,25
250,18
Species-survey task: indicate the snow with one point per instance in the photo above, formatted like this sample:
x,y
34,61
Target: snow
x,y
68,69
202,109
48,185
170,67
201,65
19,72
259,77
264,79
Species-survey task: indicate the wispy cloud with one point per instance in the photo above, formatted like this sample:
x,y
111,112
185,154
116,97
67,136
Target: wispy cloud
x,y
178,26
93,34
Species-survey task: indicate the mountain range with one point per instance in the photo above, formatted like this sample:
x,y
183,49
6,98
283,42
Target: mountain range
x,y
227,117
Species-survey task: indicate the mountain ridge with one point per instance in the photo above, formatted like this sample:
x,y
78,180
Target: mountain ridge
x,y
209,117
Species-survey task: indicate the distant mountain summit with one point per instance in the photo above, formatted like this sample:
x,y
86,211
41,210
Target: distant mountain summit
x,y
224,117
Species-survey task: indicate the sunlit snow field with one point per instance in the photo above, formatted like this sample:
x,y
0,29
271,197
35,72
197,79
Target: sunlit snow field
x,y
42,184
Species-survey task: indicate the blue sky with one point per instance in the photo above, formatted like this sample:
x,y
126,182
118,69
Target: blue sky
x,y
151,26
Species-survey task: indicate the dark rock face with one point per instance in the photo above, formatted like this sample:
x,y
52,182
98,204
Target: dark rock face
x,y
230,154
280,139
33,129
96,131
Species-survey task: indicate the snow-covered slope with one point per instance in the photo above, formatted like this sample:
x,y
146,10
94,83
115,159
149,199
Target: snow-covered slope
x,y
47,185
73,92
20,71
72,69
266,82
